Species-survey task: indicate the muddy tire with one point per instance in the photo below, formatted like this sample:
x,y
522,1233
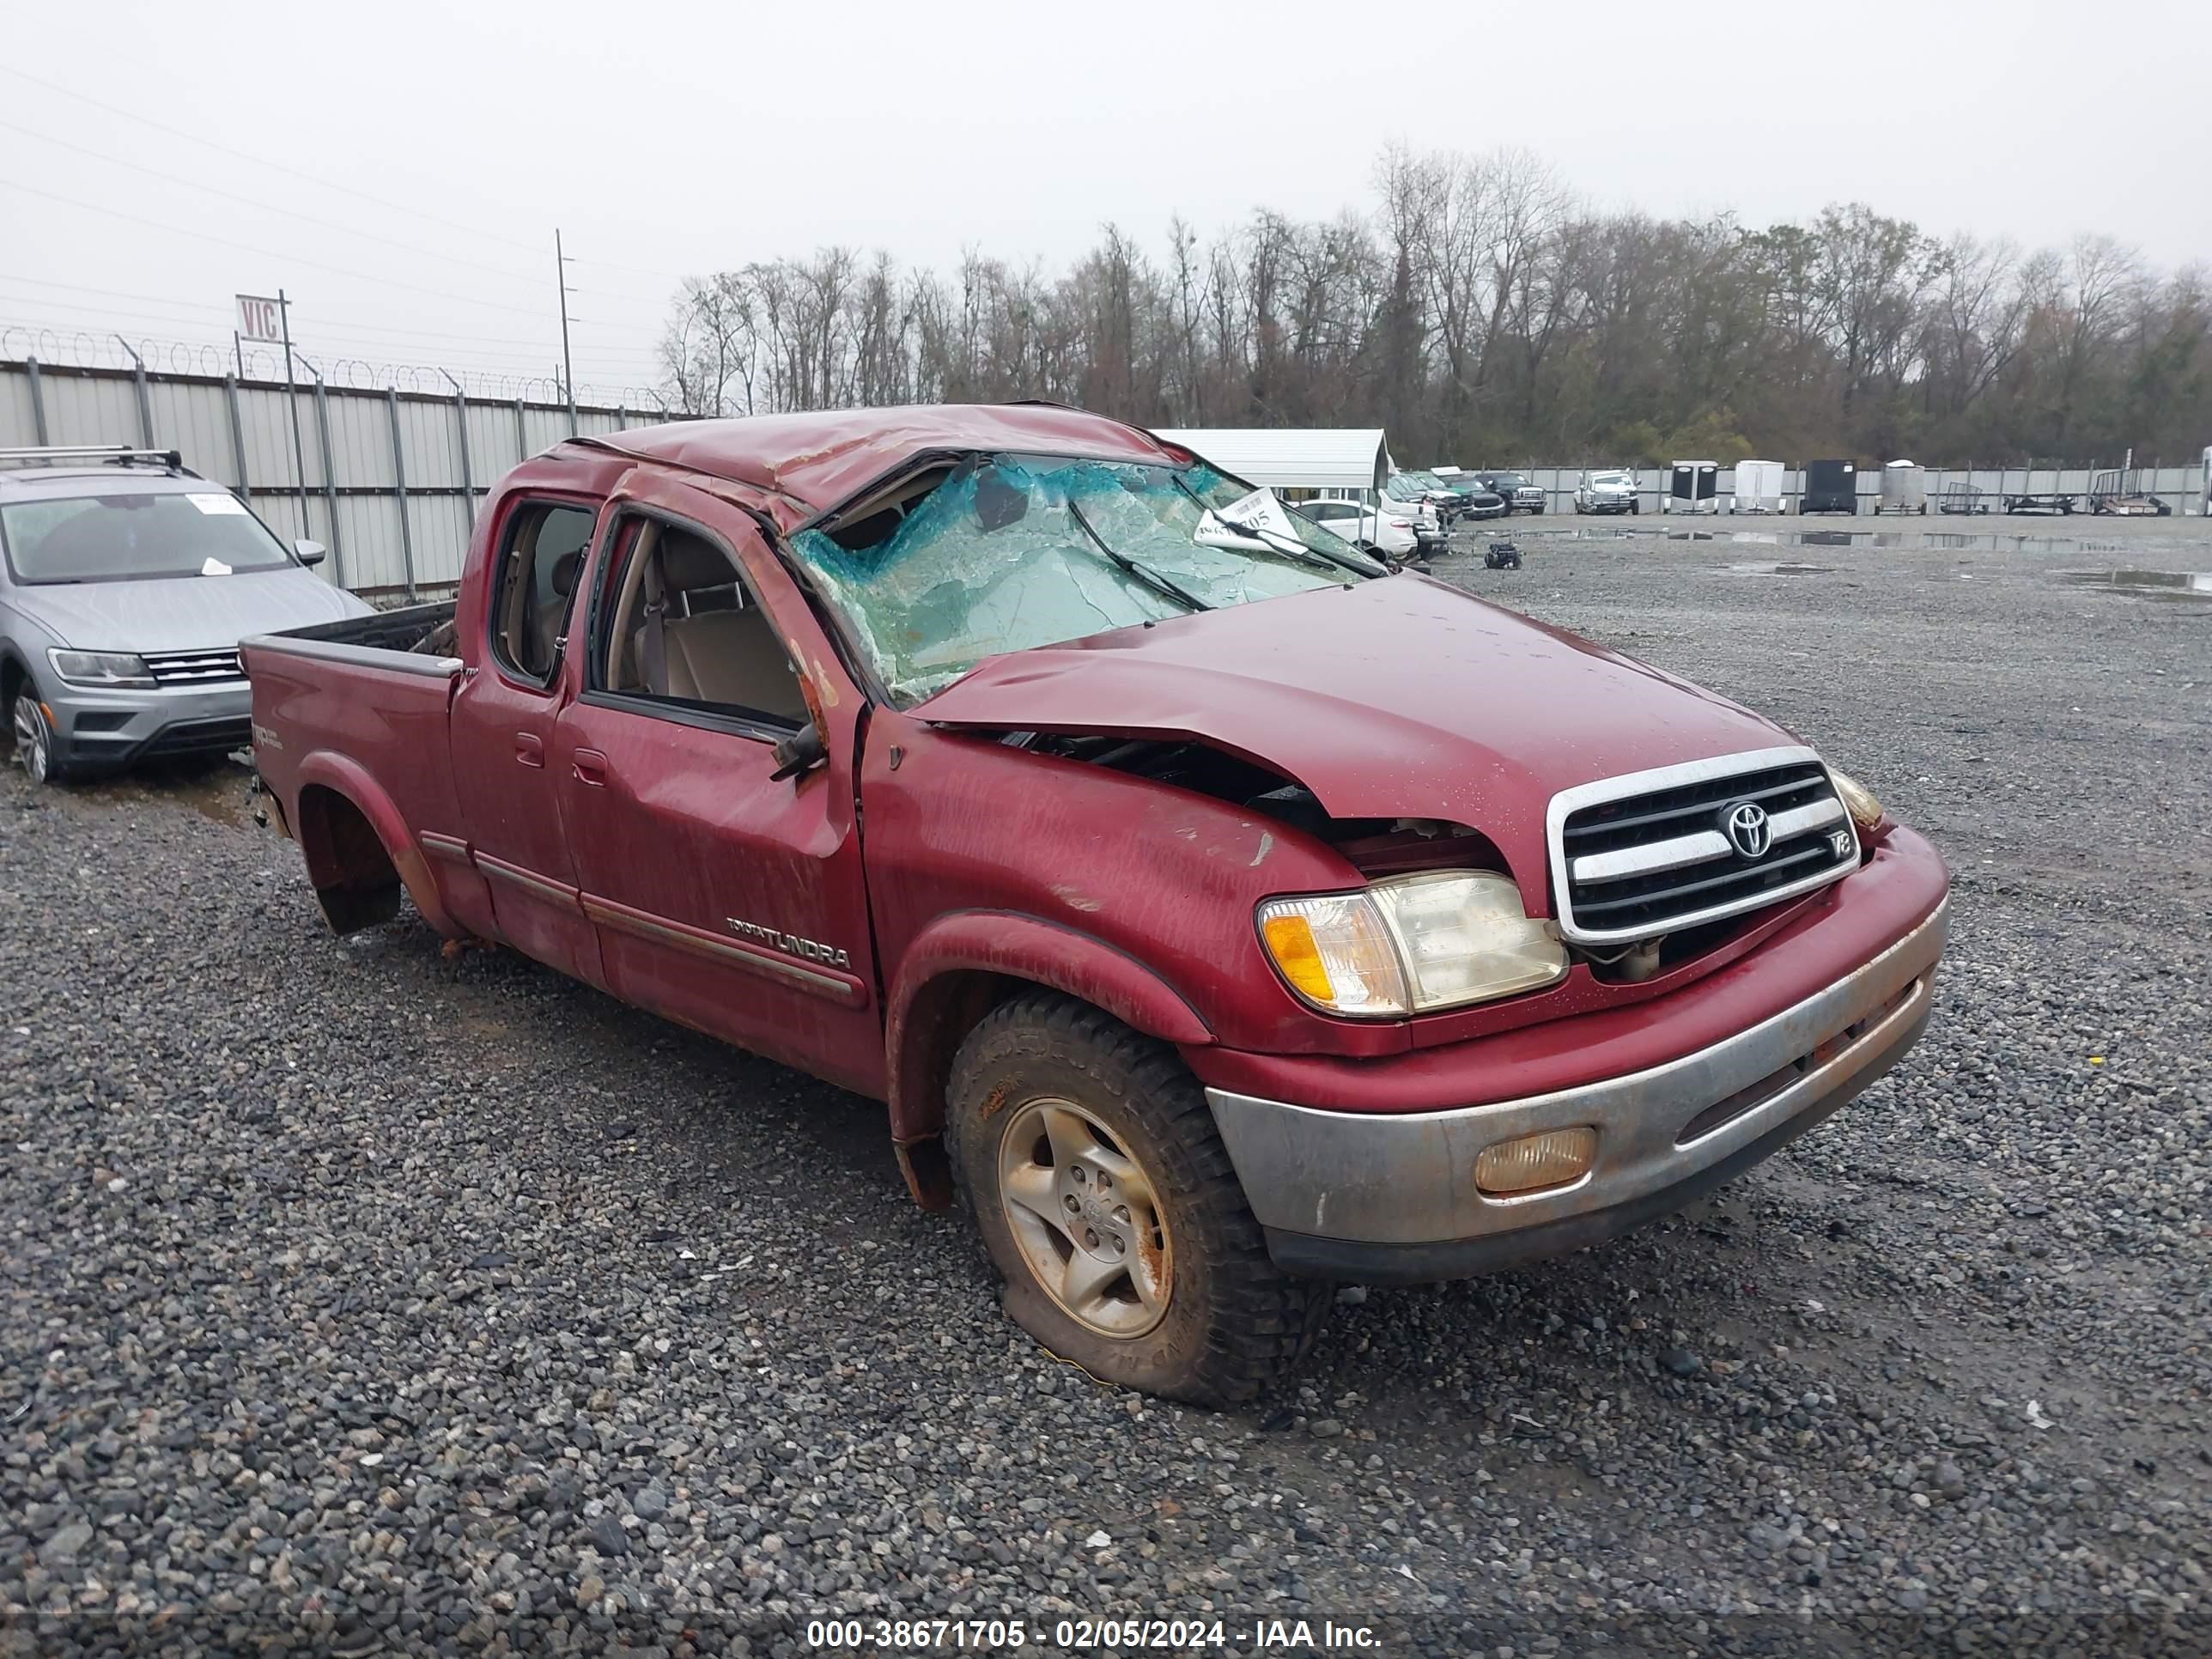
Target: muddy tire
x,y
1089,1160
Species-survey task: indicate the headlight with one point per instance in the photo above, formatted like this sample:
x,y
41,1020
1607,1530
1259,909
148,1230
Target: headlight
x,y
107,668
1859,801
1411,944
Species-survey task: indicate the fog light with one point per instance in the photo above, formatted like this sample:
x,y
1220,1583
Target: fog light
x,y
1554,1158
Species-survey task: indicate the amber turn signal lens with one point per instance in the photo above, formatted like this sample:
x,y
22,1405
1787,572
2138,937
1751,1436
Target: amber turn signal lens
x,y
1291,941
1556,1158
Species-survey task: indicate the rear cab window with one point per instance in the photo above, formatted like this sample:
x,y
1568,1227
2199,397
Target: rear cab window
x,y
541,560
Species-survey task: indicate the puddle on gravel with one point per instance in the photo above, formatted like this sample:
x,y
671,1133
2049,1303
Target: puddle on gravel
x,y
2186,587
1782,570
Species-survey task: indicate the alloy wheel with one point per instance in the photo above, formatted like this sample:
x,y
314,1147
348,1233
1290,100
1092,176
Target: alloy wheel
x,y
1086,1217
32,746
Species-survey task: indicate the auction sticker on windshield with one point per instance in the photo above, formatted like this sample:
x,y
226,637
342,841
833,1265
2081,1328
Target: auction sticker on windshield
x,y
212,502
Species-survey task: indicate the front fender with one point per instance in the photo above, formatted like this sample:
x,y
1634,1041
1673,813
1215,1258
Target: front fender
x,y
941,965
349,778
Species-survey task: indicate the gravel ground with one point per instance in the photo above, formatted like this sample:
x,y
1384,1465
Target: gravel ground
x,y
360,1298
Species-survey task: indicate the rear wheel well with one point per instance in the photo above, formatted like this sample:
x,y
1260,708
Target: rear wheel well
x,y
356,881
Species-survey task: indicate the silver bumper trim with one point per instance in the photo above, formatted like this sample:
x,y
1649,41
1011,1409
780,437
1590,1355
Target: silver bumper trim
x,y
1408,1178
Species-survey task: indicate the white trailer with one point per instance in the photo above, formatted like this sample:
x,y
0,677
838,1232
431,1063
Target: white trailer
x,y
1758,486
1903,489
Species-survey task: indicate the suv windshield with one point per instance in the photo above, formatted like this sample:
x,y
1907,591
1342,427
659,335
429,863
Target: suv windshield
x,y
1014,552
1505,481
101,538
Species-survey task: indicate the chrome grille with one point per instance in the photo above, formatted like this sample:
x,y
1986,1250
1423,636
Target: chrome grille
x,y
194,667
1636,856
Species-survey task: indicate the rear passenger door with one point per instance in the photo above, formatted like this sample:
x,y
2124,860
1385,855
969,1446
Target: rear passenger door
x,y
724,896
503,727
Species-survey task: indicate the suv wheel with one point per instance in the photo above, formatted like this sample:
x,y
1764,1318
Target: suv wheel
x,y
1108,1205
34,737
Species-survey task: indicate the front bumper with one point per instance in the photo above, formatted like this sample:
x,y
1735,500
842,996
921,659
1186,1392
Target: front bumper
x,y
1391,1198
96,730
1609,504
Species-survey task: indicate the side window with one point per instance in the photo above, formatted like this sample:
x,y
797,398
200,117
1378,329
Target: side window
x,y
541,555
676,624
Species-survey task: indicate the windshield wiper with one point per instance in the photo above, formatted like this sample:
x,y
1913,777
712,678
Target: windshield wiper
x,y
1144,574
1290,547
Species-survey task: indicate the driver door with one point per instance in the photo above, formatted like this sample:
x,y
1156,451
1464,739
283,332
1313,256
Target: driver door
x,y
725,896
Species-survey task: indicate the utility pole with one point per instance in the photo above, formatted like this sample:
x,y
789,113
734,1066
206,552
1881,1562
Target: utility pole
x,y
567,365
292,397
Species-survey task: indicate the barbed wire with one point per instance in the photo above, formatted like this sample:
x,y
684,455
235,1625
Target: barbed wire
x,y
87,348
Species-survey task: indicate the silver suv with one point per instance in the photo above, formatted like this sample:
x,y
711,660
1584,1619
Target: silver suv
x,y
126,582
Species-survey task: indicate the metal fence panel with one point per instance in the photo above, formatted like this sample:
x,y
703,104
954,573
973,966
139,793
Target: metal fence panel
x,y
544,428
195,414
494,445
83,410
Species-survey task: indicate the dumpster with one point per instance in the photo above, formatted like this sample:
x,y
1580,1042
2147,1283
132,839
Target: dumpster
x,y
1830,487
1903,489
1758,486
1694,487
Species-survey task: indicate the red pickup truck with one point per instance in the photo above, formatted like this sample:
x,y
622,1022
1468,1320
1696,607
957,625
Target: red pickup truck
x,y
1221,910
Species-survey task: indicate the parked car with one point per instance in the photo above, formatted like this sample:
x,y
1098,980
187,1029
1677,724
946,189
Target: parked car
x,y
1389,534
1431,530
126,580
1479,502
1448,502
1232,915
1520,495
1606,490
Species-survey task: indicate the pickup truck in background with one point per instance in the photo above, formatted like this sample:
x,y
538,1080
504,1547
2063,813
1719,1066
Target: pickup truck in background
x,y
1221,912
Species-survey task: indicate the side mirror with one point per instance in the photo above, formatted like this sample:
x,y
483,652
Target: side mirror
x,y
799,754
310,553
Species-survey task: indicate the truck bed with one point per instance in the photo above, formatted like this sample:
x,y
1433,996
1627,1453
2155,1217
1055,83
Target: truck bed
x,y
368,640
358,708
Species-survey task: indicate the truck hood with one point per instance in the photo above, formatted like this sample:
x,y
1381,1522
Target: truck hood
x,y
184,613
1401,697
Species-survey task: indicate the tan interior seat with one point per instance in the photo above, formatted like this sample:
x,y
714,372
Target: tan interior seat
x,y
552,617
729,657
733,657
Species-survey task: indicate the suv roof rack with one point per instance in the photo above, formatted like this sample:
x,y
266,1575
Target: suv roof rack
x,y
108,454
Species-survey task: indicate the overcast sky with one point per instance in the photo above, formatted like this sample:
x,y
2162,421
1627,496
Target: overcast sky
x,y
398,169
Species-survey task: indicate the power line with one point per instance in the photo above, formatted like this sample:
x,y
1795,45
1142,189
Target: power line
x,y
312,179
252,202
259,160
317,317
271,253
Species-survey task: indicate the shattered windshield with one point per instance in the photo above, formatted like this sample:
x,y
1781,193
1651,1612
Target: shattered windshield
x,y
1014,552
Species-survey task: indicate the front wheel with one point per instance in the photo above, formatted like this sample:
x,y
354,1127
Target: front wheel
x,y
1108,1205
35,743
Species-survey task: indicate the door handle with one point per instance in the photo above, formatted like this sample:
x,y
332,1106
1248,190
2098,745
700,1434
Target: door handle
x,y
591,767
529,749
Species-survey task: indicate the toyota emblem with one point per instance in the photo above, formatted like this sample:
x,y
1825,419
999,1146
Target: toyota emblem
x,y
1750,829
